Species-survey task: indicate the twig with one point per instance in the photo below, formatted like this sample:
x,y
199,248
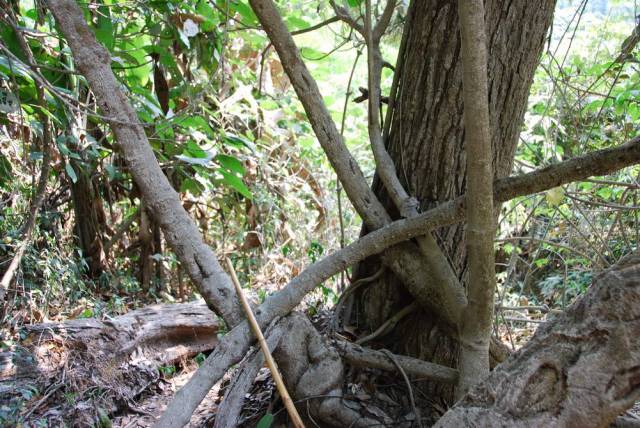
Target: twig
x,y
273,368
406,380
349,291
360,356
389,324
524,320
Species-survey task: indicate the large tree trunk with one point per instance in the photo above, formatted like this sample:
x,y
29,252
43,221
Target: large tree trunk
x,y
426,144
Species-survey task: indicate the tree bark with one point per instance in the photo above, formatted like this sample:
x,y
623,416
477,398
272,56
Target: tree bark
x,y
426,142
475,329
581,369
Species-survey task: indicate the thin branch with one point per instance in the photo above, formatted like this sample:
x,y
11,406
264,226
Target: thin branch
x,y
345,16
273,368
412,400
384,20
359,356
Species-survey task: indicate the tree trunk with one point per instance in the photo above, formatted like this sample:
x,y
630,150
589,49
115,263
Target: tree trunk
x,y
426,144
89,217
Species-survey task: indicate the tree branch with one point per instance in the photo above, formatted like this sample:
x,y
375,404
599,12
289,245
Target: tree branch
x,y
93,61
345,16
236,343
475,331
364,357
384,20
437,287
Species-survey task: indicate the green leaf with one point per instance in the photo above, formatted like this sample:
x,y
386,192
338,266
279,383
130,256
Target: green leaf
x,y
198,123
231,164
235,182
297,23
238,141
70,172
11,67
5,171
193,186
242,8
266,421
192,149
104,28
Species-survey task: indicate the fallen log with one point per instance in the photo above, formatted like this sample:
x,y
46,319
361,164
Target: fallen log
x,y
120,357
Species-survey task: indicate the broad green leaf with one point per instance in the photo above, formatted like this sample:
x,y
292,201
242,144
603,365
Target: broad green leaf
x,y
242,8
231,164
198,123
104,28
70,172
238,141
235,182
5,171
192,185
11,67
297,23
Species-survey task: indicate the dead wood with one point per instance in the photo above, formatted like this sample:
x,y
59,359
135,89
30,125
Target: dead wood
x,y
364,357
119,357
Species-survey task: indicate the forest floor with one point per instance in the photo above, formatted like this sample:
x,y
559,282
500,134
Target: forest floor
x,y
370,389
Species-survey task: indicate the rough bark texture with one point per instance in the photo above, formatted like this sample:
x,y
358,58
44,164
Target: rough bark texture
x,y
426,139
581,369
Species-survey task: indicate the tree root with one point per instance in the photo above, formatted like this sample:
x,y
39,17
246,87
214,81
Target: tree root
x,y
313,372
229,411
580,369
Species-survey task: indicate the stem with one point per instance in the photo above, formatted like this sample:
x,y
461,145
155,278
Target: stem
x,y
273,367
475,332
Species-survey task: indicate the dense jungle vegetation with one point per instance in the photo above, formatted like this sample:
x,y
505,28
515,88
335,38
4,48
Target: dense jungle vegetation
x,y
408,263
